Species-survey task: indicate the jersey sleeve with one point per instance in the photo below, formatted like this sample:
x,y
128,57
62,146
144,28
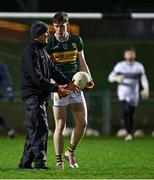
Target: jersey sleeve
x,y
80,45
116,68
142,69
144,79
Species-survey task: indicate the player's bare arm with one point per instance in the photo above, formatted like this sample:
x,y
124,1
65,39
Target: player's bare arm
x,y
83,65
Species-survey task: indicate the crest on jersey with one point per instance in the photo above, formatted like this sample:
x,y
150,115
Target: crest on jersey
x,y
74,45
65,47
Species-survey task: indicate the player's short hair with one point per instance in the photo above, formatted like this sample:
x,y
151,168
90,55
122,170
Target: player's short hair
x,y
132,49
60,17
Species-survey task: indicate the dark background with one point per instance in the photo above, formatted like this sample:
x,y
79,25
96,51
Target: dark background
x,y
104,39
107,6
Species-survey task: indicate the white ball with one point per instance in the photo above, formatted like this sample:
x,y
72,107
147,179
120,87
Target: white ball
x,y
92,132
121,132
81,79
89,132
152,134
138,133
96,133
67,132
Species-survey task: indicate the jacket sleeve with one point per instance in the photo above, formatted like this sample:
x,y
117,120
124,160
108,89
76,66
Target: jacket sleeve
x,y
35,73
57,75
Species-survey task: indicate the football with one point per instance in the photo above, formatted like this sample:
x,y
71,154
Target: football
x,y
81,79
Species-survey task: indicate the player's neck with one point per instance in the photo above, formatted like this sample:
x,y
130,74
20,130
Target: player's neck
x,y
130,62
63,38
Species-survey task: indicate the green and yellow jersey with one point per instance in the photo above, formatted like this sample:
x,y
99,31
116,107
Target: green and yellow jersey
x,y
64,54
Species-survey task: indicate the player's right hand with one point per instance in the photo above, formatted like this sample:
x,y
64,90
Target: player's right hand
x,y
145,94
119,79
89,86
63,91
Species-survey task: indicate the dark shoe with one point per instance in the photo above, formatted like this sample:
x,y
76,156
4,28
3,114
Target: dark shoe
x,y
40,166
25,166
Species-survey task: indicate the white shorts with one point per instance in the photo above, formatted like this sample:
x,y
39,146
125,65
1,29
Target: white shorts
x,y
70,99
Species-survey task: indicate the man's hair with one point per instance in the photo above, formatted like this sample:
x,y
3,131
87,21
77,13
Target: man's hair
x,y
60,17
130,49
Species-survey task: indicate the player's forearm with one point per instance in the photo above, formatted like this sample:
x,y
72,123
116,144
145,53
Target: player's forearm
x,y
112,77
144,82
84,67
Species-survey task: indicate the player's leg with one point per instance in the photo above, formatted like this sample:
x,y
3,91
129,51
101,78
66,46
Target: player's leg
x,y
79,111
60,115
131,117
127,119
7,127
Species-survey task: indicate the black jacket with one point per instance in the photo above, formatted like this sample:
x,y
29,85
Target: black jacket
x,y
36,71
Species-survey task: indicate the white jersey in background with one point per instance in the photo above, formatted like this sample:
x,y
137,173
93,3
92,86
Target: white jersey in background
x,y
133,74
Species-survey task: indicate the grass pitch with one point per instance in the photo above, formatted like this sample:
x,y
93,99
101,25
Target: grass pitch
x,y
98,158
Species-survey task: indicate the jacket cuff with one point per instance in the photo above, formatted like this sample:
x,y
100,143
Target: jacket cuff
x,y
54,88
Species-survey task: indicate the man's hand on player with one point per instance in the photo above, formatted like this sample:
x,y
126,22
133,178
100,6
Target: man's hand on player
x,y
119,79
72,87
63,91
145,94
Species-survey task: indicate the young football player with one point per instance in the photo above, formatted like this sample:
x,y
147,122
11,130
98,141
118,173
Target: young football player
x,y
67,53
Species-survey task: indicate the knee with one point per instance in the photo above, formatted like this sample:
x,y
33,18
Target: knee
x,y
60,127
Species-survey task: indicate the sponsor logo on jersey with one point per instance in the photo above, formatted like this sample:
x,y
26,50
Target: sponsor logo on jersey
x,y
66,56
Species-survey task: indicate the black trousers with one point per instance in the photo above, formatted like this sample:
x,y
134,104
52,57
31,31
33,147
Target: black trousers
x,y
128,112
37,132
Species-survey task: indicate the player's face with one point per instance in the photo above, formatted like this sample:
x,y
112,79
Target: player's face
x,y
44,38
60,28
129,56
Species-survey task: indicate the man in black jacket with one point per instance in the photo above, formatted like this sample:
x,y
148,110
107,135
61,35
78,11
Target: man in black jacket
x,y
36,72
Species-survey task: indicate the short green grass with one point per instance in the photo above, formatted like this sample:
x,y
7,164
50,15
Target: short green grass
x,y
98,158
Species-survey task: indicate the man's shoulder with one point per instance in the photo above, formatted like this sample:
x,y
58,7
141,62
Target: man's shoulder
x,y
119,63
138,63
30,50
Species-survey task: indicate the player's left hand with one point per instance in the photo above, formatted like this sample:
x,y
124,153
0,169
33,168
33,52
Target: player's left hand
x,y
73,87
145,94
89,86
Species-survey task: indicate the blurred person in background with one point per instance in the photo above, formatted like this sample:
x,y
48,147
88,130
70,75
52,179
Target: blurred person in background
x,y
7,91
67,53
132,82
